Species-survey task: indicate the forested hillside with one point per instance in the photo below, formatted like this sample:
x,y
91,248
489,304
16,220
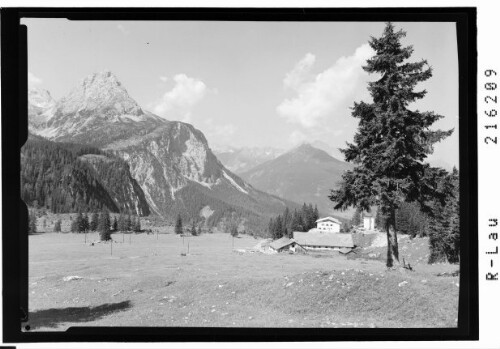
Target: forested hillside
x,y
65,177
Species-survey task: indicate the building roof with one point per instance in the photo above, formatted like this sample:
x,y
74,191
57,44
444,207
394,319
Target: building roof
x,y
367,214
280,243
331,219
345,250
323,239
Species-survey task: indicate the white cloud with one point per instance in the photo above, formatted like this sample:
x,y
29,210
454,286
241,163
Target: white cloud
x,y
33,80
122,28
179,101
163,78
299,73
321,95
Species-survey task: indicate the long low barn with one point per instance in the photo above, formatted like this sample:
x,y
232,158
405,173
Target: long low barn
x,y
285,244
323,241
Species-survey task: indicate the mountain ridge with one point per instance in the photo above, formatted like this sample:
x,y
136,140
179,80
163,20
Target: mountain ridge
x,y
303,174
242,159
170,160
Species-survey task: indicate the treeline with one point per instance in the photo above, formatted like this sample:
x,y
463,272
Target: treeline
x,y
299,220
53,176
102,223
441,223
194,230
231,223
444,223
410,220
190,201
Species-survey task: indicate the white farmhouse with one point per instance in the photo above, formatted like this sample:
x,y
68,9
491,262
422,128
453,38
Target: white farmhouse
x,y
368,221
328,224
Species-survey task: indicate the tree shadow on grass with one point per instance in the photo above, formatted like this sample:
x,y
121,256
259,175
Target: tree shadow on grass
x,y
55,316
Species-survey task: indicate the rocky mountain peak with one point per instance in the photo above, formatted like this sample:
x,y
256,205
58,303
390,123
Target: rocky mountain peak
x,y
100,92
306,149
40,105
41,98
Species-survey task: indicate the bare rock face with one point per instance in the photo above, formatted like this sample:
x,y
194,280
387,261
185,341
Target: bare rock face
x,y
115,176
100,93
40,106
170,160
179,174
167,160
97,111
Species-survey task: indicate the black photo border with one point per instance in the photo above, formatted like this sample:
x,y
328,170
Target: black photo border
x,y
14,212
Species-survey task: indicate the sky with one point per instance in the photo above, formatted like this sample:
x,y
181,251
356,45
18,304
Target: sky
x,y
246,84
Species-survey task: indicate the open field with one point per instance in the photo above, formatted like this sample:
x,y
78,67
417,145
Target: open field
x,y
147,282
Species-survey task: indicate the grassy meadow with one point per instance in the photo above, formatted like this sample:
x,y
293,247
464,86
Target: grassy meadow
x,y
153,280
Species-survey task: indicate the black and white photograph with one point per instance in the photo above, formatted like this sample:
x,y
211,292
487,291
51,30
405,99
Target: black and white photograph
x,y
242,174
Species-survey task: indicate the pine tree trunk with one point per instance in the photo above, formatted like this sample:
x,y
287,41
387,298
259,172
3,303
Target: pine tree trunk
x,y
392,241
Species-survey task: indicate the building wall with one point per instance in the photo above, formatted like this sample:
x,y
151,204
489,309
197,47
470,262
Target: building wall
x,y
329,227
369,223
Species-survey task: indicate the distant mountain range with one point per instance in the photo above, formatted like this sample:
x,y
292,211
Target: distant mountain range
x,y
170,160
240,160
303,174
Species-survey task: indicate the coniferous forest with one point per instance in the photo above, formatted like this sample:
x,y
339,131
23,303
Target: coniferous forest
x,y
64,177
286,223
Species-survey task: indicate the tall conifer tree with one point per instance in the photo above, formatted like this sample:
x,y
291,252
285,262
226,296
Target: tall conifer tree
x,y
31,223
85,223
392,141
356,218
104,226
178,225
94,221
115,224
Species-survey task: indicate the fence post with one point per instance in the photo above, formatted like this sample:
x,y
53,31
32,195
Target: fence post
x,y
111,246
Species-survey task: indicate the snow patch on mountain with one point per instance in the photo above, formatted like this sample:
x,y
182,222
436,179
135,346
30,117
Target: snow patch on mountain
x,y
205,184
233,182
129,118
